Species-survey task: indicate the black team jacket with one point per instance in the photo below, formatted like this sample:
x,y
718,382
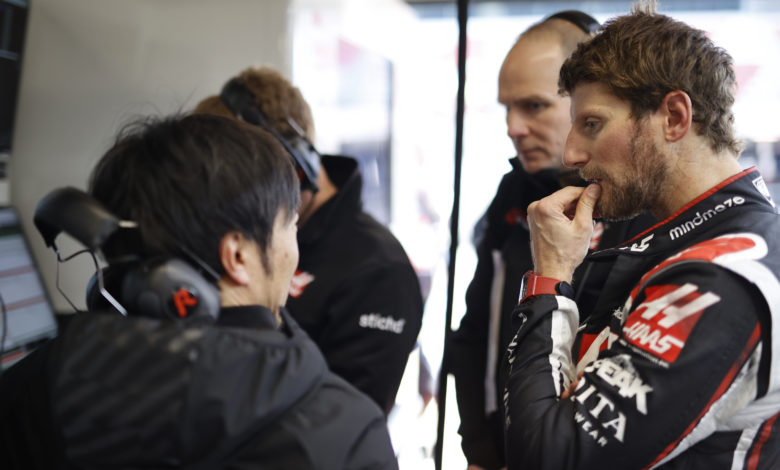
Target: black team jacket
x,y
355,291
116,392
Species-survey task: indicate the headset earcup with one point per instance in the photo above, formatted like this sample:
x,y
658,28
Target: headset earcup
x,y
169,288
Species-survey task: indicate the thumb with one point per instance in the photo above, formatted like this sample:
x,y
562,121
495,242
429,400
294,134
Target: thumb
x,y
587,204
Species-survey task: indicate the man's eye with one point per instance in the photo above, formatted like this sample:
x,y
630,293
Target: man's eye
x,y
534,106
591,125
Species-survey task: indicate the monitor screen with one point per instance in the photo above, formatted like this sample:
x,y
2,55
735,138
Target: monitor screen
x,y
13,24
29,316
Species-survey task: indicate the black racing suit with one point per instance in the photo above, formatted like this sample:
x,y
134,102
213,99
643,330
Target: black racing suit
x,y
476,354
355,291
116,392
680,357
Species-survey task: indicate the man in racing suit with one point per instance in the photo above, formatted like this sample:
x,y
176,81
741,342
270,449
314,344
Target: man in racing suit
x,y
676,366
537,123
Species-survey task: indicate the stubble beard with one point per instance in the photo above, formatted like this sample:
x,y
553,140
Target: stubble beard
x,y
625,196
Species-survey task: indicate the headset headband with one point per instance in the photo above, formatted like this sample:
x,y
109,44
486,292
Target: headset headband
x,y
582,20
241,102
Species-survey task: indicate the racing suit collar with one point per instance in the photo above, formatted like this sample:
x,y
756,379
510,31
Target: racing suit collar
x,y
744,191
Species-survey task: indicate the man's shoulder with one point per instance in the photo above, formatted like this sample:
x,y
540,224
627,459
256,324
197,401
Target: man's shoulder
x,y
337,425
729,251
366,240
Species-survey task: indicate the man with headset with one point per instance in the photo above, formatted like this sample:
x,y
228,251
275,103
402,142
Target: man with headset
x,y
355,291
196,217
537,123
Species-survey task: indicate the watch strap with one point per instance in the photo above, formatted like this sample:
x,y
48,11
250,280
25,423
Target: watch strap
x,y
534,284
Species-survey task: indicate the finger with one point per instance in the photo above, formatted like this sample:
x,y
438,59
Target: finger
x,y
563,201
587,204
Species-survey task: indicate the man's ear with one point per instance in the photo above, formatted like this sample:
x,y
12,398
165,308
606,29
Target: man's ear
x,y
677,112
233,256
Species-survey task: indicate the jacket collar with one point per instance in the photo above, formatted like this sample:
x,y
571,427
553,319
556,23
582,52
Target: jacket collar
x,y
249,316
533,187
345,174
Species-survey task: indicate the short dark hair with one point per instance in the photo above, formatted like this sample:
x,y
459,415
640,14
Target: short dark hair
x,y
643,56
189,180
276,97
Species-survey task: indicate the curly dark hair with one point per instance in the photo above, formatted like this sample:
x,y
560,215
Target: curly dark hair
x,y
644,55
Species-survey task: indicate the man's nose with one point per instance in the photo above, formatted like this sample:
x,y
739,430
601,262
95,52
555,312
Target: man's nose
x,y
516,124
574,155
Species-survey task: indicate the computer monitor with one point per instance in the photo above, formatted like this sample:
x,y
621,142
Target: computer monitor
x,y
29,316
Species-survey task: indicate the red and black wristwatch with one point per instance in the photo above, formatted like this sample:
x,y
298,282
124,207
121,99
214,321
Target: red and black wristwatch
x,y
533,284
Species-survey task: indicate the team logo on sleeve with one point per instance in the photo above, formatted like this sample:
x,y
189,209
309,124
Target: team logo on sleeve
x,y
662,323
300,280
377,321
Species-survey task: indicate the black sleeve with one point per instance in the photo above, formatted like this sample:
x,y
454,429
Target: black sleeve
x,y
467,355
468,363
28,436
688,345
372,327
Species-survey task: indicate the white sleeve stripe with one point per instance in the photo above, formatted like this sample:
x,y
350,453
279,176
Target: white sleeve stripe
x,y
743,446
494,324
563,329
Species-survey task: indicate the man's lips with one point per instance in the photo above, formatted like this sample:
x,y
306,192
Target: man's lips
x,y
591,178
530,152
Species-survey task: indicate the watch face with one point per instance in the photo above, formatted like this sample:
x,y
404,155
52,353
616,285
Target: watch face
x,y
524,284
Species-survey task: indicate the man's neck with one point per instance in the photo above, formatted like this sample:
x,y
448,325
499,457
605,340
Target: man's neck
x,y
692,174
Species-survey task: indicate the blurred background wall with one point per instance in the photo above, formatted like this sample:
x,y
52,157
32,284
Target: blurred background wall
x,y
89,66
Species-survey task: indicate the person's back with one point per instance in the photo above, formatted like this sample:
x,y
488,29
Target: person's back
x,y
225,396
355,291
236,385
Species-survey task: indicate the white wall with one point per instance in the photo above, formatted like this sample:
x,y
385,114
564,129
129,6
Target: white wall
x,y
89,66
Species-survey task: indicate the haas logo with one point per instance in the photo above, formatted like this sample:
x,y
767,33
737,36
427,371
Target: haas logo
x,y
662,323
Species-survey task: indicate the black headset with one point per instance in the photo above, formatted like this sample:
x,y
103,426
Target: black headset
x,y
159,287
241,102
580,19
163,287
